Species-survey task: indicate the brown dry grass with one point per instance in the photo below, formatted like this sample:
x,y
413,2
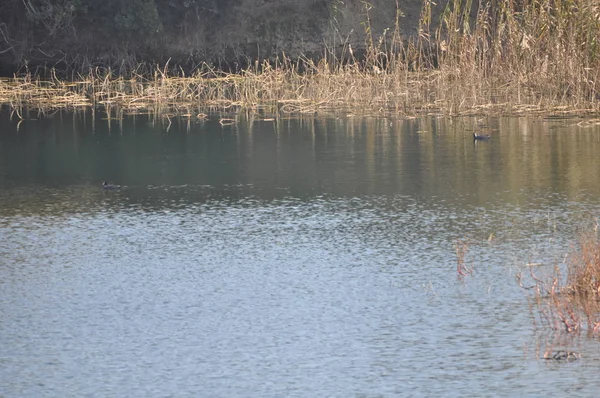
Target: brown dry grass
x,y
462,247
571,305
538,56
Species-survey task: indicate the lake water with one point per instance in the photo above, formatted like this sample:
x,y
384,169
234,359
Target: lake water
x,y
303,257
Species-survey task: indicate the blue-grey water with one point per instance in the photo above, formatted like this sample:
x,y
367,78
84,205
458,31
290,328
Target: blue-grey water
x,y
295,257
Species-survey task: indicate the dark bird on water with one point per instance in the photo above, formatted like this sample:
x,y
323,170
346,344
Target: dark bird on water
x,y
477,137
109,187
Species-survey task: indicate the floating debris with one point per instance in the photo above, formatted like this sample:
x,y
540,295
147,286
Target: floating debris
x,y
562,355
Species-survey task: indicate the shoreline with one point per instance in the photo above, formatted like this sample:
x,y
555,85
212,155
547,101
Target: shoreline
x,y
283,90
506,60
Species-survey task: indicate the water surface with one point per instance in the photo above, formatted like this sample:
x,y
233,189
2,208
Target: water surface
x,y
295,257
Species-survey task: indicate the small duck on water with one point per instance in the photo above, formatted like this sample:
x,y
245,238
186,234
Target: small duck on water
x,y
477,137
109,187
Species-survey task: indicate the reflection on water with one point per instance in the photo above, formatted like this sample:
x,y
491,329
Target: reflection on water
x,y
296,257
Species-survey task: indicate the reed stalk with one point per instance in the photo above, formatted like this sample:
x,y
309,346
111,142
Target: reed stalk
x,y
571,304
532,56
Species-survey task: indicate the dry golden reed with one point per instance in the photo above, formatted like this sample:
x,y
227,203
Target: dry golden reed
x,y
516,57
571,305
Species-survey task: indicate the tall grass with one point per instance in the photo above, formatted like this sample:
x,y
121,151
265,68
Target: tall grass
x,y
502,56
571,304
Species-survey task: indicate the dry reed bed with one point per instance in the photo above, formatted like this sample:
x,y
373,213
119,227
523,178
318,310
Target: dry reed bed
x,y
288,91
532,56
571,304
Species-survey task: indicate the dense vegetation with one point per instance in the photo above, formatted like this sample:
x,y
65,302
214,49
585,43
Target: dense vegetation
x,y
124,33
465,57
